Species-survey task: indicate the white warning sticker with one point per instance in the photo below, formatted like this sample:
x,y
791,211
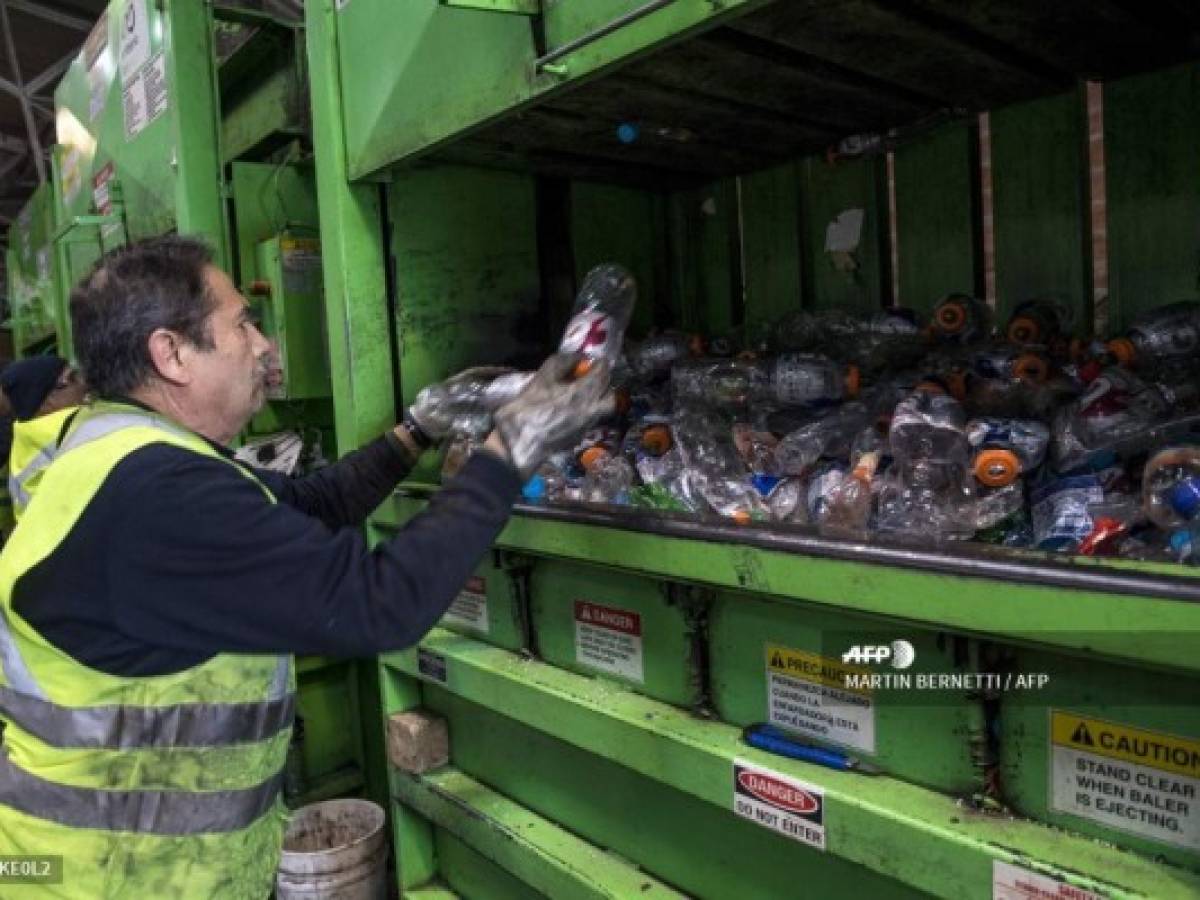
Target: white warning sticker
x,y
779,802
470,607
135,39
609,639
1011,882
1132,779
808,693
145,98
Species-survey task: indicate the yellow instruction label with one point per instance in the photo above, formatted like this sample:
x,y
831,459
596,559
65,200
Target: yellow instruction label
x,y
1126,743
813,667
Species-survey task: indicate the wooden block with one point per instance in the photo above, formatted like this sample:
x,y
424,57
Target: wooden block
x,y
417,741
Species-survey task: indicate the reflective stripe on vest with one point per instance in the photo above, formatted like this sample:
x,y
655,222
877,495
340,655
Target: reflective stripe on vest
x,y
92,429
143,812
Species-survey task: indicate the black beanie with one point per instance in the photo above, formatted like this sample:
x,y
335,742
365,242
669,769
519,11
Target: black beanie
x,y
28,382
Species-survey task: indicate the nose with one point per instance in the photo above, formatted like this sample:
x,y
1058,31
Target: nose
x,y
261,343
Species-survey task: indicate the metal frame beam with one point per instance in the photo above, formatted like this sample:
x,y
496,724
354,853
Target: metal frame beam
x,y
51,13
35,141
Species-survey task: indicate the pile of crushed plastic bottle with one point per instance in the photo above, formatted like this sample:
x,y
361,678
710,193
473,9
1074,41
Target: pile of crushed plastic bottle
x,y
942,431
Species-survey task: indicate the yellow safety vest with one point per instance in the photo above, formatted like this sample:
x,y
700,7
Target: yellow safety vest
x,y
158,786
34,445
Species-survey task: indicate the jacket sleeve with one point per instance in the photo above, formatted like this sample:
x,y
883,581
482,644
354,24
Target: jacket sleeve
x,y
207,565
344,493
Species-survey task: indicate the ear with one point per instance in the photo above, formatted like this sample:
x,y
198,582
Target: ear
x,y
170,355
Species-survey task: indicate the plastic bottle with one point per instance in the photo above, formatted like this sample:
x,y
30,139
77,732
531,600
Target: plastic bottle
x,y
929,491
830,435
800,379
1171,487
600,316
1164,335
598,444
714,475
1184,544
1004,449
608,481
1074,509
849,508
463,405
726,383
821,484
961,318
1040,321
658,353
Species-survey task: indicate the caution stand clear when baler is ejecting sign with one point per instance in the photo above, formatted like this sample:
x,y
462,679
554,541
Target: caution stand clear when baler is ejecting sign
x,y
1128,778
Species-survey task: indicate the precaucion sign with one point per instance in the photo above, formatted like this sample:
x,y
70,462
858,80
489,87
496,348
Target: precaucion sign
x,y
1011,882
807,693
1132,779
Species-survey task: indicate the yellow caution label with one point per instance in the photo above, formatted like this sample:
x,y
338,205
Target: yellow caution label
x,y
300,245
1126,743
813,667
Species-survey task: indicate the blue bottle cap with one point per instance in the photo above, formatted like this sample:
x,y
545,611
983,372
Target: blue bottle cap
x,y
1184,497
534,489
627,132
1180,540
764,484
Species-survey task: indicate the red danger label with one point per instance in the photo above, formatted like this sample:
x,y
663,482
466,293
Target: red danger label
x,y
606,617
779,793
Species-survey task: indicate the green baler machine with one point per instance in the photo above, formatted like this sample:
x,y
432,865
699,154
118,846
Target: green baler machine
x,y
32,286
475,158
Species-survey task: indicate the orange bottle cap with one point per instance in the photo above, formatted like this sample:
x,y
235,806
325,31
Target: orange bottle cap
x,y
951,317
1030,367
1123,350
996,468
1024,330
593,456
657,439
582,368
741,517
853,381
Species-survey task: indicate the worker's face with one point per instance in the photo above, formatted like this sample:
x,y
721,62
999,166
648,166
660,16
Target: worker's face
x,y
69,390
231,379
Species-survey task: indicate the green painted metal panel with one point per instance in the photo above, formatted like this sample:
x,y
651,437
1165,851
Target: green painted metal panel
x,y
936,216
490,606
268,200
827,190
404,98
472,875
705,257
615,224
609,624
1152,153
1141,800
360,351
294,314
327,701
770,229
1116,626
466,270
1040,204
545,856
32,282
920,838
781,662
700,848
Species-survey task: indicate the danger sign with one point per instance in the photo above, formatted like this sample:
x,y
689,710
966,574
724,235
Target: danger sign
x,y
1132,779
470,607
776,801
609,639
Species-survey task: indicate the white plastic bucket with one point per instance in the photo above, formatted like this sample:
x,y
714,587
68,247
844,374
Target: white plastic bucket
x,y
334,849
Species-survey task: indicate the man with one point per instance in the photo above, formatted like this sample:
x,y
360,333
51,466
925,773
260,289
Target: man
x,y
43,392
154,591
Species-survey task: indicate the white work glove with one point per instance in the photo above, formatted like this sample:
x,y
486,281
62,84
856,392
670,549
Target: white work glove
x,y
553,411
